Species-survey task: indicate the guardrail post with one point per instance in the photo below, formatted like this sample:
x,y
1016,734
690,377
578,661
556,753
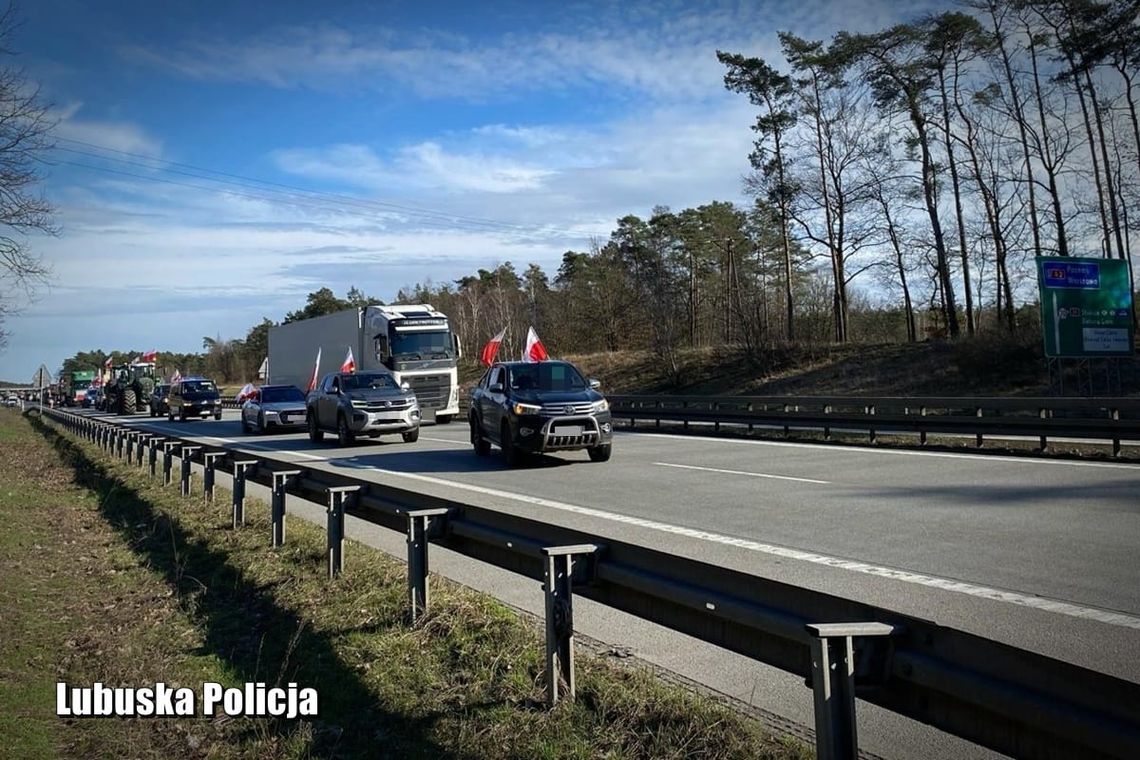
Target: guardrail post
x,y
1114,414
558,573
144,438
239,491
871,430
420,527
152,447
167,460
657,406
1042,413
749,408
335,527
209,474
827,428
833,682
277,506
787,429
187,469
130,457
716,423
684,406
978,413
922,431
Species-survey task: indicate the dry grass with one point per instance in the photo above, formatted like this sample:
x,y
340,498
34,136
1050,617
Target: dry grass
x,y
195,598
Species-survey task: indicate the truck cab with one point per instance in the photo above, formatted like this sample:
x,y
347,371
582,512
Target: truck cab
x,y
416,345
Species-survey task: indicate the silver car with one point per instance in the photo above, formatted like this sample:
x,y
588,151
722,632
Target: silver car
x,y
274,406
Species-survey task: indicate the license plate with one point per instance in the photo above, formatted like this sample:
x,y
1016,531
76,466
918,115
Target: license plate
x,y
568,430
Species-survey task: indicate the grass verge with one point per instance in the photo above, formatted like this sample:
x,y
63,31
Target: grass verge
x,y
119,580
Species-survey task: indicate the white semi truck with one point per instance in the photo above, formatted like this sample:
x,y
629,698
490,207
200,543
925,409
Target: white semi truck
x,y
413,343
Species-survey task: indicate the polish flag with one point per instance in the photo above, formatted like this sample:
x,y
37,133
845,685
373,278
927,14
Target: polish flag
x,y
316,372
247,391
150,356
107,364
534,351
492,348
176,377
349,362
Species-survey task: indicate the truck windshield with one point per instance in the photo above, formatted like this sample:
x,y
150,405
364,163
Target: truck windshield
x,y
546,376
422,345
198,386
365,381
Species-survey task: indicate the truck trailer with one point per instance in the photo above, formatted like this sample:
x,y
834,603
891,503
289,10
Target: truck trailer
x,y
413,343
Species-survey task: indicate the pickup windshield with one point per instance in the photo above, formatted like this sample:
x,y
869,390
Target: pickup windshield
x,y
366,381
545,376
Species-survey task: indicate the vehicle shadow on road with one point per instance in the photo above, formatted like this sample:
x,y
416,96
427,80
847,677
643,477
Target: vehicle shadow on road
x,y
446,462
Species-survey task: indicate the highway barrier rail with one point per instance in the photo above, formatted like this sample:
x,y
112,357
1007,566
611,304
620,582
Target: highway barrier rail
x,y
1011,700
1102,419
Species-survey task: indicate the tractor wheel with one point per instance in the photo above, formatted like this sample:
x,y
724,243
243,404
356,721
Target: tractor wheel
x,y
130,400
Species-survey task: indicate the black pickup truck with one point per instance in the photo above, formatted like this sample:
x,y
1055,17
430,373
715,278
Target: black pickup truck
x,y
361,403
538,407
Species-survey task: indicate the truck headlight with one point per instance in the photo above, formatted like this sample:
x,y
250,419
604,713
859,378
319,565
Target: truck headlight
x,y
521,409
601,406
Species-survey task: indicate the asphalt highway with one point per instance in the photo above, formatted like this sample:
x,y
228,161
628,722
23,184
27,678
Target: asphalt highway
x,y
1041,554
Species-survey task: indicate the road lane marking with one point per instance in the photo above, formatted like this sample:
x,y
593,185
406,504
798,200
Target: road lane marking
x,y
855,449
931,581
742,472
945,584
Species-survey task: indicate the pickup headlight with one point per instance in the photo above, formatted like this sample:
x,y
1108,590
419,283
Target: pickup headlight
x,y
601,406
521,409
359,403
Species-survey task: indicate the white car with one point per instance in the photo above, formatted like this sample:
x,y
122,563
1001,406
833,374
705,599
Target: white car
x,y
274,406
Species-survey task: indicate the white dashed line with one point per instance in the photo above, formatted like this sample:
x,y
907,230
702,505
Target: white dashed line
x,y
742,472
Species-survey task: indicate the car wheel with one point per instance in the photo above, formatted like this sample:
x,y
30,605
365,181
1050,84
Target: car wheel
x,y
442,419
411,436
481,445
600,453
511,454
218,417
261,423
344,436
170,415
316,435
182,416
244,425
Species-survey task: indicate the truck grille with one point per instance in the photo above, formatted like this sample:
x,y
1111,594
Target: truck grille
x,y
587,438
432,391
568,408
386,406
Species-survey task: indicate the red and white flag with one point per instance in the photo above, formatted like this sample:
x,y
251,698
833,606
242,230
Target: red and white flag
x,y
176,377
534,351
150,356
316,372
349,362
492,348
107,364
247,391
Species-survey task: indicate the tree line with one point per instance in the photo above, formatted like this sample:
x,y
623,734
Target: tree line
x,y
901,184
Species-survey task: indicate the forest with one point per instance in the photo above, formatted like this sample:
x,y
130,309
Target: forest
x,y
902,183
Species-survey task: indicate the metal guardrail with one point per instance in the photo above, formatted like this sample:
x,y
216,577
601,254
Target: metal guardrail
x,y
1107,419
1011,700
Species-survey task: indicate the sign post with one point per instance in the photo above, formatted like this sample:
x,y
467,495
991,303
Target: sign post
x,y
41,380
1086,307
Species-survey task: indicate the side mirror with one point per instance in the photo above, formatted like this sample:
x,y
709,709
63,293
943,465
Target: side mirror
x,y
595,384
495,388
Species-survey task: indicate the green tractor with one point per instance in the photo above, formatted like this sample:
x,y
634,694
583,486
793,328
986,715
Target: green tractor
x,y
129,391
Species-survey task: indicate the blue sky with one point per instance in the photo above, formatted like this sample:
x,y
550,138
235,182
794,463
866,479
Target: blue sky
x,y
216,161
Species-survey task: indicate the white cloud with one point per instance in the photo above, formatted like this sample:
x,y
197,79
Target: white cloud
x,y
115,135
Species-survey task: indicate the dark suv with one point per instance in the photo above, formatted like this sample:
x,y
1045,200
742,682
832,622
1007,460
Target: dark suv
x,y
193,397
361,403
160,400
539,407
